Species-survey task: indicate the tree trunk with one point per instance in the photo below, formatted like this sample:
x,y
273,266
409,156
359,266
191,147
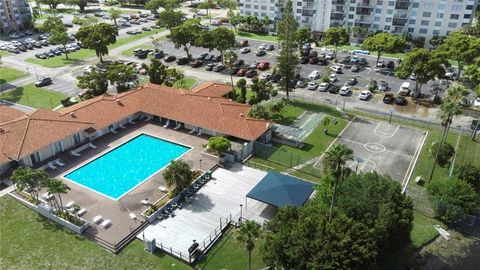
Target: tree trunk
x,y
378,57
66,52
233,86
435,158
101,58
333,200
460,67
249,260
61,203
115,21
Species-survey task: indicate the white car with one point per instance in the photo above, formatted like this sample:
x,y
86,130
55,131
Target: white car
x,y
332,78
451,74
312,85
365,95
336,69
412,77
330,55
345,91
476,102
314,75
265,76
245,50
354,59
323,87
262,47
380,63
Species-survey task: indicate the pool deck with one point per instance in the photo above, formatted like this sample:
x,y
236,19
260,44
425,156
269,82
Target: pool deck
x,y
118,211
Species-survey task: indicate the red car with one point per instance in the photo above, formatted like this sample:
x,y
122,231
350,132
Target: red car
x,y
196,63
263,65
241,72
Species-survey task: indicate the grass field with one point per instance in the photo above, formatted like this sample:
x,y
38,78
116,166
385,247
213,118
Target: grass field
x,y
4,53
29,241
257,36
185,83
32,96
83,54
8,74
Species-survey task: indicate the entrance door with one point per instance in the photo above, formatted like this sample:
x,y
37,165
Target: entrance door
x,y
35,158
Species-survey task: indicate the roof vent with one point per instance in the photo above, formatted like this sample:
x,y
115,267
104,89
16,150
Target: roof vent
x,y
2,130
242,115
267,124
209,99
119,101
72,114
230,99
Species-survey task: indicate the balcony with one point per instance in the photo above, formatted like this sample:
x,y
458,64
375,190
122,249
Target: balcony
x,y
337,16
399,21
338,2
363,23
402,4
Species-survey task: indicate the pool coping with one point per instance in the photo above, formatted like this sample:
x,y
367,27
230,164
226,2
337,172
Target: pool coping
x,y
63,176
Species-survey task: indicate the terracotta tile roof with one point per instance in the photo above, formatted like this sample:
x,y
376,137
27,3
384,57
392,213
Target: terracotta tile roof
x,y
30,133
212,89
8,113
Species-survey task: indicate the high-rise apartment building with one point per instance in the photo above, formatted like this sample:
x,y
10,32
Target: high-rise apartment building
x,y
420,18
13,14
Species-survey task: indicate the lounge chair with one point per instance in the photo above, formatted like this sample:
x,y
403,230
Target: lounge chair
x,y
51,166
200,132
92,146
75,154
145,202
81,211
59,163
179,125
114,131
69,204
106,223
132,216
97,219
192,131
162,189
167,124
122,126
131,121
148,118
47,196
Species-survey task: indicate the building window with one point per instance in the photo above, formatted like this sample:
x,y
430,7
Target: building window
x,y
378,10
299,11
440,15
428,6
427,14
388,19
436,32
441,7
352,8
438,24
410,29
350,24
414,5
379,2
456,7
467,16
423,31
299,4
263,7
425,23
350,16
387,28
391,3
377,19
412,21
454,16
389,11
452,25
375,26
469,7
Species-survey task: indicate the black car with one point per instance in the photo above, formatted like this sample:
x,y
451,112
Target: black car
x,y
261,53
202,56
40,56
218,68
322,62
239,63
304,60
142,54
333,89
211,57
274,78
270,47
389,98
196,63
44,82
346,60
363,62
182,61
352,81
22,48
400,100
391,65
170,58
355,68
251,73
210,67
234,70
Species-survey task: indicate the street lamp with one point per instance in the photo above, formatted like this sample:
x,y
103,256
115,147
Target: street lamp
x,y
200,164
241,209
358,160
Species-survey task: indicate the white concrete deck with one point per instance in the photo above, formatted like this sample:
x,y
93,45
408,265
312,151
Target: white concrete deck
x,y
218,198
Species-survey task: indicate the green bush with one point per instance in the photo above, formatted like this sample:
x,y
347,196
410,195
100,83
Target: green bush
x,y
218,144
469,173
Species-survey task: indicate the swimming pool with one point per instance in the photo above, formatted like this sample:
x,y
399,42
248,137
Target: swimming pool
x,y
117,172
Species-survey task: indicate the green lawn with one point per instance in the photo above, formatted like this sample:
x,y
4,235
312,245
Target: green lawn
x,y
4,53
80,55
29,241
185,83
10,74
423,231
257,36
32,96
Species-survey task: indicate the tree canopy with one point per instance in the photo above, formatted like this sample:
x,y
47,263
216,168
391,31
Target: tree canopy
x,y
461,48
97,37
384,43
470,173
186,35
218,144
95,81
58,32
170,18
336,36
178,174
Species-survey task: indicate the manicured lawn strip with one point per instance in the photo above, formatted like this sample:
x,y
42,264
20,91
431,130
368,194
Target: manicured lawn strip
x,y
49,246
10,74
257,36
32,96
422,231
185,83
59,61
229,254
4,53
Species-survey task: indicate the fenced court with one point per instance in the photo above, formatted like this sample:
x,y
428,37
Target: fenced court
x,y
299,130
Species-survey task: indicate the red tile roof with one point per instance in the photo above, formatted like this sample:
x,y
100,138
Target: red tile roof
x,y
212,89
8,113
32,132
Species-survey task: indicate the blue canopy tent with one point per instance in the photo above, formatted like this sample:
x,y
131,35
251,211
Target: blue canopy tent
x,y
281,190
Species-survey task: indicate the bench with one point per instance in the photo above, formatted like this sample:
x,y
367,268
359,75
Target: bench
x,y
419,180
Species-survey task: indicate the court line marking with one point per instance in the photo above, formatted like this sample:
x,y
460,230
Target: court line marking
x,y
365,163
386,151
385,134
413,163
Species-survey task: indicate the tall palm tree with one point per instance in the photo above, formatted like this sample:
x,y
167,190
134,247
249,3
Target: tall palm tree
x,y
230,57
114,14
248,232
30,179
178,174
56,186
334,163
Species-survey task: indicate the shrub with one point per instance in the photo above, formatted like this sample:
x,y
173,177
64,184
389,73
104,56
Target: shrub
x,y
470,173
218,144
445,153
451,198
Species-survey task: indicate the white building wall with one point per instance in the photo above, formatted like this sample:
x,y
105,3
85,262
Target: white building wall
x,y
13,13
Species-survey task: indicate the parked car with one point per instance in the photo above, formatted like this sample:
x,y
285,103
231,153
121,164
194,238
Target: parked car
x,y
182,61
332,78
313,60
270,47
312,85
383,86
380,64
346,60
355,68
400,100
336,69
233,71
365,95
302,83
451,74
314,75
363,62
239,63
330,55
412,77
322,62
44,82
313,54
388,98
345,91
323,87
391,65
146,28
241,72
251,73
218,68
196,63
265,76
245,50
262,47
244,43
352,81
202,56
261,53
476,102
263,65
304,60
170,58
210,66
333,89
355,59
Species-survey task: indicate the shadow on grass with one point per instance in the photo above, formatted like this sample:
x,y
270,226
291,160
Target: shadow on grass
x,y
2,81
203,262
13,96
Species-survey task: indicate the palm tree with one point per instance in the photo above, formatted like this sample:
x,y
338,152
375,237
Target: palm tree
x,y
114,15
30,179
230,57
334,163
248,232
178,174
56,186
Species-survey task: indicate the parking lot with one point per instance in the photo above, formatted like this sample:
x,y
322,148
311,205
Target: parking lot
x,y
383,147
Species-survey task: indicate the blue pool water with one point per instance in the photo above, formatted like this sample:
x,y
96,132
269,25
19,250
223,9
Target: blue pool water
x,y
128,165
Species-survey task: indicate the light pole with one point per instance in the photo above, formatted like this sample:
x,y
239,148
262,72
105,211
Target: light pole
x,y
200,164
241,209
358,160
